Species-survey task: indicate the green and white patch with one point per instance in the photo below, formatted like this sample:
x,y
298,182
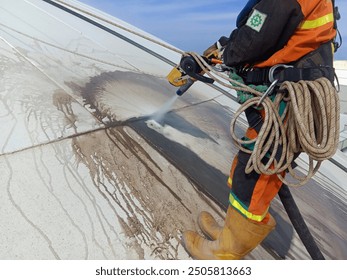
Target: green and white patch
x,y
256,20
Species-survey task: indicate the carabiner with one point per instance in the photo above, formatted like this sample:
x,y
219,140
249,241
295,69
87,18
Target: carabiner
x,y
274,68
267,92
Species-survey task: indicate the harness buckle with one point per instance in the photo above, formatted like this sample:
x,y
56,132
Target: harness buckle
x,y
274,68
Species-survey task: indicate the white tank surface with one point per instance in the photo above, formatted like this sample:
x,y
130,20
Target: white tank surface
x,y
341,72
89,170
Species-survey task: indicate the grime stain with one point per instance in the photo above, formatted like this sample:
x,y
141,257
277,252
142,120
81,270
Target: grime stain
x,y
144,205
63,102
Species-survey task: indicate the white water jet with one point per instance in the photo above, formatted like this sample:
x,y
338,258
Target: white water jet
x,y
165,108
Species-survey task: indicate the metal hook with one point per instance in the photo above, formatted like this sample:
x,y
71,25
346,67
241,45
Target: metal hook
x,y
274,68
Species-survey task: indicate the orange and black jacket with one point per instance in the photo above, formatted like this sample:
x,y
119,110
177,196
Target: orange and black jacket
x,y
280,31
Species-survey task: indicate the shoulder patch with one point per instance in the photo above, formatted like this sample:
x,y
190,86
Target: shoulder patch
x,y
256,20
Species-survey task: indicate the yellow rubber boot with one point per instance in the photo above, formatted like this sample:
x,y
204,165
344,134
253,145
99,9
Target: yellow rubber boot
x,y
209,226
238,237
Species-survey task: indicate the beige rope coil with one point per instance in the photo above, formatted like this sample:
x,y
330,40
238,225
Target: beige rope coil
x,y
309,124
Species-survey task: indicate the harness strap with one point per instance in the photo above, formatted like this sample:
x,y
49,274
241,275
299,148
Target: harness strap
x,y
292,74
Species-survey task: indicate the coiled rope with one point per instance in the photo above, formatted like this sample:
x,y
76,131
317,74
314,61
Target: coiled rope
x,y
310,124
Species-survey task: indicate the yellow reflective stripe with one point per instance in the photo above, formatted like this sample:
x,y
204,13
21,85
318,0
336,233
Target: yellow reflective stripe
x,y
310,24
237,205
230,181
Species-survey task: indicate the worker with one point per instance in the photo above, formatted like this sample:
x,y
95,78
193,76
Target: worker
x,y
284,40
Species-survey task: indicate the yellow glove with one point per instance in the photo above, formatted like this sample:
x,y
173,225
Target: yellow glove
x,y
211,50
216,50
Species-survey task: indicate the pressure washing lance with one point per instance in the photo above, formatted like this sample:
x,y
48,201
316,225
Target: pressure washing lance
x,y
188,72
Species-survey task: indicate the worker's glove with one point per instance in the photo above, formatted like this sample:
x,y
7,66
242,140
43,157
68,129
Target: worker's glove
x,y
216,50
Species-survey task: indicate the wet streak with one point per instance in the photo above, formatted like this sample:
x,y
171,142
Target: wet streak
x,y
96,157
18,207
136,150
70,170
60,202
118,186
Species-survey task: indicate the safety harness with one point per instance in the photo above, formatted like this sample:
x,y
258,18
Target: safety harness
x,y
309,68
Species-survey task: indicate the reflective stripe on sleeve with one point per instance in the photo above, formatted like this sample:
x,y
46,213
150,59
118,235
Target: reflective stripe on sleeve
x,y
310,24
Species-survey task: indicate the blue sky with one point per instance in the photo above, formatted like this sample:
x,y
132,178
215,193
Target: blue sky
x,y
191,25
